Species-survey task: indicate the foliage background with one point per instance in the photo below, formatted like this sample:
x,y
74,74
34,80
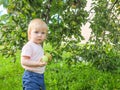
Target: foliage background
x,y
101,54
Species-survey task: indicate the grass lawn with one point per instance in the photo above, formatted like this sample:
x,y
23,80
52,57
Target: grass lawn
x,y
10,74
59,76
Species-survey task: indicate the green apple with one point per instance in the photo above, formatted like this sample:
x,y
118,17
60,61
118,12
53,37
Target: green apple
x,y
49,56
45,58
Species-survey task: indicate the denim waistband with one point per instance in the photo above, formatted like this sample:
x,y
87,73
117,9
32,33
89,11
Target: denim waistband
x,y
33,73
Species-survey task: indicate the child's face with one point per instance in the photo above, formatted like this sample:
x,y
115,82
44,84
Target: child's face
x,y
38,36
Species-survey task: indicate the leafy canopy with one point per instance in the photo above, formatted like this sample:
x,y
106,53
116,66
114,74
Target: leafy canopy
x,y
65,18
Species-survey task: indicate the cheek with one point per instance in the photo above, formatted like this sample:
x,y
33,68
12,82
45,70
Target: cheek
x,y
33,36
44,37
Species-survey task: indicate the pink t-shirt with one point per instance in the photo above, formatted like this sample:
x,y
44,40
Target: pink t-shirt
x,y
35,52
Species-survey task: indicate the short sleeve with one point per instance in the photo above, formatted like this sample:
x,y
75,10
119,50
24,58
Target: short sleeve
x,y
26,51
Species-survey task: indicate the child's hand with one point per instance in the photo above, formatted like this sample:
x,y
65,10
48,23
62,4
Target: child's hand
x,y
42,63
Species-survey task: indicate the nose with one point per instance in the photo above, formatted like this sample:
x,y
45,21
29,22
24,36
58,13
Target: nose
x,y
39,34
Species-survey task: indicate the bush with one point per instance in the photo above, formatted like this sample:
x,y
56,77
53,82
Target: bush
x,y
10,74
104,58
60,76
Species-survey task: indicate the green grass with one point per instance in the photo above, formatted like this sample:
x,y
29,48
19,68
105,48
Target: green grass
x,y
60,76
1,46
10,74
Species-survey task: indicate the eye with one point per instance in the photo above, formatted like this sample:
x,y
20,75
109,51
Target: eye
x,y
36,32
42,32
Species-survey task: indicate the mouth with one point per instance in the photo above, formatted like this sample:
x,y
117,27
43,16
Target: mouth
x,y
39,39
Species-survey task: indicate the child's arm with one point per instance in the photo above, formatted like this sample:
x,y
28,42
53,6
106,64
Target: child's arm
x,y
25,60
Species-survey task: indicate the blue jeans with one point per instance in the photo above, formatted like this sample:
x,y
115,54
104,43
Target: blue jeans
x,y
33,81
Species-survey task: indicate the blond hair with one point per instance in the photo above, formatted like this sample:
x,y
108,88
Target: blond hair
x,y
36,24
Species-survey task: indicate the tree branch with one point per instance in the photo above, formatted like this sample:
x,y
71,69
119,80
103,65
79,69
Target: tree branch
x,y
114,4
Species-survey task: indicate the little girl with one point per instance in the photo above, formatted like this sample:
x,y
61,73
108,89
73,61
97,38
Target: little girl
x,y
32,52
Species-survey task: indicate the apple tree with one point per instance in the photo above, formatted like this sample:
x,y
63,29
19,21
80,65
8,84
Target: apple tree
x,y
103,48
64,18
